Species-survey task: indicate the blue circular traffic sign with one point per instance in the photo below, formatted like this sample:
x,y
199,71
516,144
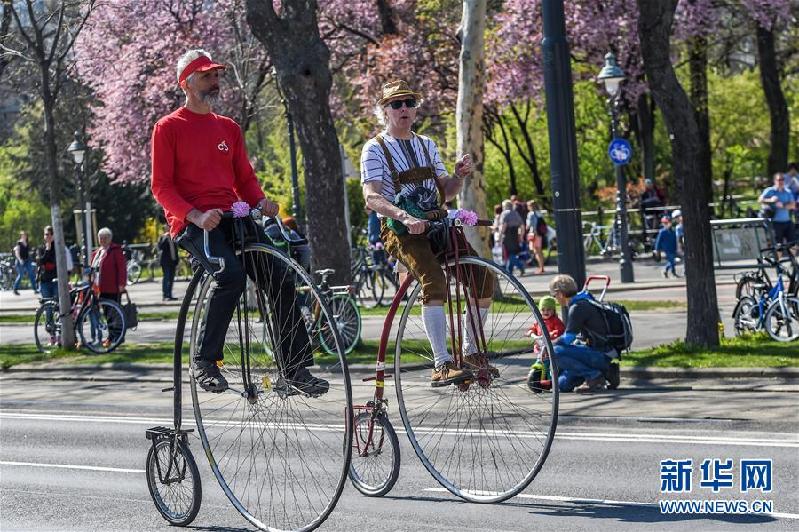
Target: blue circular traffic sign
x,y
620,151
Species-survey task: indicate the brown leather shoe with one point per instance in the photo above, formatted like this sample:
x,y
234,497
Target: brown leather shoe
x,y
591,386
475,362
447,374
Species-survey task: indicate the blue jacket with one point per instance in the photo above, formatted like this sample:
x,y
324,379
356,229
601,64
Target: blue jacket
x,y
666,241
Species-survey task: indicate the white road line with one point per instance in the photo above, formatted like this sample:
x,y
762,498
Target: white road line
x,y
781,440
73,466
559,498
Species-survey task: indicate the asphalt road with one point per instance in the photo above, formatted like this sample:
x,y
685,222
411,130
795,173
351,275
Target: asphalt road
x,y
72,458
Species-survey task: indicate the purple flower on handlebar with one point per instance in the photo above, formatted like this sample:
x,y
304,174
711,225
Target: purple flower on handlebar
x,y
466,217
241,209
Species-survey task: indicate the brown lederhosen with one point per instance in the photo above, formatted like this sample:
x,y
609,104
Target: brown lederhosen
x,y
414,251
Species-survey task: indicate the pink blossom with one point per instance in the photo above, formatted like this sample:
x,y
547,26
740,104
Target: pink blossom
x,y
241,209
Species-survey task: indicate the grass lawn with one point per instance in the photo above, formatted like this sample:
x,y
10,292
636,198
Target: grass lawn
x,y
752,351
11,355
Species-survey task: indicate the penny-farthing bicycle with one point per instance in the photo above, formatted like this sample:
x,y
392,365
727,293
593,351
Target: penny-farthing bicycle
x,y
280,456
485,439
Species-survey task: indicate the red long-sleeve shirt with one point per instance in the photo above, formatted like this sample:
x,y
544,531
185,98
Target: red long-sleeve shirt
x,y
199,161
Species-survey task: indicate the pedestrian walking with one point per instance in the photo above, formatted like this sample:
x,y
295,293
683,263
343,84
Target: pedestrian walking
x,y
24,263
168,259
666,243
511,231
536,231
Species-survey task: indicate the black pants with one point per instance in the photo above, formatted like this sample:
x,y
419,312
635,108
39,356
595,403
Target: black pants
x,y
114,329
273,277
168,269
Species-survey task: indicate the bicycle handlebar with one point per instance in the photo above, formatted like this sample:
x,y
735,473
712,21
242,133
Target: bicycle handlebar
x,y
227,215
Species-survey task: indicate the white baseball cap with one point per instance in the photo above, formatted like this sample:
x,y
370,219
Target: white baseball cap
x,y
676,214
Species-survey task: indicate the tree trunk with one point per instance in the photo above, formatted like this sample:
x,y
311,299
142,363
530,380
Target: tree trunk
x,y
51,160
491,119
777,106
654,30
645,115
698,67
469,116
301,60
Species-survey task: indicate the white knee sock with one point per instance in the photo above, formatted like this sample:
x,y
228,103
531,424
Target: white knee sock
x,y
435,326
471,337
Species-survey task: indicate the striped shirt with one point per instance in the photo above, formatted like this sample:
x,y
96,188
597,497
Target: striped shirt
x,y
405,154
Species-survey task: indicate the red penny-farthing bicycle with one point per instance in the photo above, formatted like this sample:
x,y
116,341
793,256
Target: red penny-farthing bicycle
x,y
484,439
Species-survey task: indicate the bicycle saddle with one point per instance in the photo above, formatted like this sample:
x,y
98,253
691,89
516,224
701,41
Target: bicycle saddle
x,y
326,271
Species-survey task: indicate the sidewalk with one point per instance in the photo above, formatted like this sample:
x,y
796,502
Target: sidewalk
x,y
732,379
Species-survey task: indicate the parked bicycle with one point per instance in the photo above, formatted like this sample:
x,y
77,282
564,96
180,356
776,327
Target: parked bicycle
x,y
763,305
345,314
280,456
99,323
485,439
8,272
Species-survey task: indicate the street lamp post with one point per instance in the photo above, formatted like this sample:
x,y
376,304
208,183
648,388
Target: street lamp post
x,y
78,150
611,76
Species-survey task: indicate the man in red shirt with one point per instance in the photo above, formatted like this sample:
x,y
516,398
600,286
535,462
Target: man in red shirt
x,y
200,168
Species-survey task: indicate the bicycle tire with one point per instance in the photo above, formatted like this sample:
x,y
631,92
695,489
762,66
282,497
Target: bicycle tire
x,y
482,441
747,286
134,273
370,473
378,286
745,316
47,335
365,284
347,319
779,318
168,494
104,334
295,450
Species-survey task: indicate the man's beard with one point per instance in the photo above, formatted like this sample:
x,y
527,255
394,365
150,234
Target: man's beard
x,y
209,97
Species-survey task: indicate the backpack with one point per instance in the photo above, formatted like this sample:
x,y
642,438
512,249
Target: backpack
x,y
617,324
541,227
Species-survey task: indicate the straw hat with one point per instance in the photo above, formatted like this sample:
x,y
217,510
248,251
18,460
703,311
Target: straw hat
x,y
397,88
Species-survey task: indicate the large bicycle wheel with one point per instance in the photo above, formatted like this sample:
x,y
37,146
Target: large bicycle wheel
x,y
376,455
782,319
47,327
487,439
347,319
174,481
101,327
281,459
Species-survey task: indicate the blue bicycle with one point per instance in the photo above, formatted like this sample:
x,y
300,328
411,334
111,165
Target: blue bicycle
x,y
770,307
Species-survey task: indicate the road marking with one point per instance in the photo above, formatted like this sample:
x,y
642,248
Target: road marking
x,y
72,466
781,440
560,498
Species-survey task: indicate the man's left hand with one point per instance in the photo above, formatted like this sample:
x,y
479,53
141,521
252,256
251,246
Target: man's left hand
x,y
268,208
464,166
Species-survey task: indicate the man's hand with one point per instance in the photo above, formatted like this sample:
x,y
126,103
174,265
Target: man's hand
x,y
268,208
415,225
207,220
464,166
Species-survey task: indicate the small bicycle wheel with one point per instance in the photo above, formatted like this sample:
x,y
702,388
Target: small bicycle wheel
x,y
487,438
347,320
782,319
174,481
101,327
746,316
280,456
375,464
134,273
47,327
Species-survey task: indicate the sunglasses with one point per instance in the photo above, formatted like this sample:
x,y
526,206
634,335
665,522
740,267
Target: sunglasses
x,y
410,103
